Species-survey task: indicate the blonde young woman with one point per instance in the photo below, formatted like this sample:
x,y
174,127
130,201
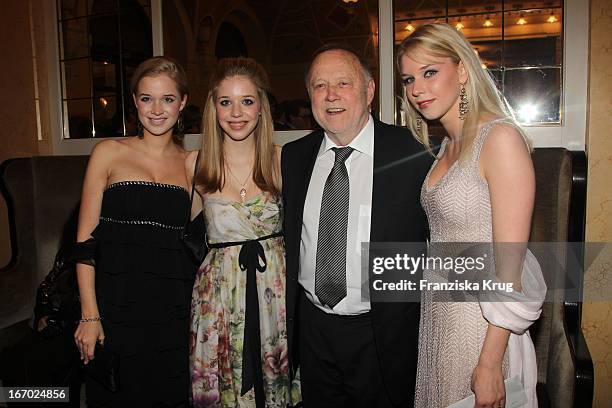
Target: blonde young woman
x,y
238,331
135,202
480,189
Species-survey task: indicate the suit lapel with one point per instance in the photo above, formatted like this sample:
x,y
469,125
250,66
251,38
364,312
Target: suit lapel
x,y
379,195
304,176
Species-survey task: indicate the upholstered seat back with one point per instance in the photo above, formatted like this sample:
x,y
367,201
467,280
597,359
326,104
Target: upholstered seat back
x,y
42,193
553,170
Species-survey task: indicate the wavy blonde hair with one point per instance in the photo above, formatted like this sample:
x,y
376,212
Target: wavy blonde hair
x,y
441,40
210,174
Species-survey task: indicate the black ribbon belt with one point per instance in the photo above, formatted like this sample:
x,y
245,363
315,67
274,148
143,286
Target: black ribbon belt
x,y
249,259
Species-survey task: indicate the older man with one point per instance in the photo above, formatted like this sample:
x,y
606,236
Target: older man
x,y
356,180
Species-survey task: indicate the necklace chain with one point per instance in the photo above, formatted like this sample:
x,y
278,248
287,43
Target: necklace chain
x,y
243,191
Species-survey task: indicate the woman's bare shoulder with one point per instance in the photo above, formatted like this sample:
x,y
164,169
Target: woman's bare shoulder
x,y
109,150
191,157
505,139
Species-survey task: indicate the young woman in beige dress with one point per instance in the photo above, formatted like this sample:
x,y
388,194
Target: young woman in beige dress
x,y
480,189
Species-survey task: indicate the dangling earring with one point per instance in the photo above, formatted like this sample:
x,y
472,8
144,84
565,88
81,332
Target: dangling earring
x,y
419,124
178,127
140,129
463,103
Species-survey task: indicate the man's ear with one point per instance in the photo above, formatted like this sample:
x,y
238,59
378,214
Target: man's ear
x,y
463,73
370,91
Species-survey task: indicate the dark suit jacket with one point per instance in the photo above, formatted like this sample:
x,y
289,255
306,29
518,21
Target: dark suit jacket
x,y
400,166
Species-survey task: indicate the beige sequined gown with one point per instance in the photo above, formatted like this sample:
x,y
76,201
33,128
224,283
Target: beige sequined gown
x,y
452,333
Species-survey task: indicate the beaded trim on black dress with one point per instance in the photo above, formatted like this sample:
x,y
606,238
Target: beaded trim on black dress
x,y
144,183
142,222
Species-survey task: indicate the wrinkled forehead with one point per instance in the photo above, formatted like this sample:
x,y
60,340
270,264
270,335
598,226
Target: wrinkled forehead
x,y
340,61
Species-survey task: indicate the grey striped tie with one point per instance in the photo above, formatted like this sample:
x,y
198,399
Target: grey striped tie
x,y
330,270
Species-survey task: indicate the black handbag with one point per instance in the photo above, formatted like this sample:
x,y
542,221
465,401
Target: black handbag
x,y
193,235
104,368
57,298
194,238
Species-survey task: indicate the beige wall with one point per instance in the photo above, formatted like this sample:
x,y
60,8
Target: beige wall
x,y
19,135
597,316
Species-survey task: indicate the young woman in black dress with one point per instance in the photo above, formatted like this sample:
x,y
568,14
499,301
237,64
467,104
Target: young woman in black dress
x,y
135,202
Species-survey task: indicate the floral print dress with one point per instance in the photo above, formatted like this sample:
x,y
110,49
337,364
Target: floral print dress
x,y
218,306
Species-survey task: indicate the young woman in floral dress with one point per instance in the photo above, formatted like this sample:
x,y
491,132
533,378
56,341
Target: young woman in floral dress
x,y
238,330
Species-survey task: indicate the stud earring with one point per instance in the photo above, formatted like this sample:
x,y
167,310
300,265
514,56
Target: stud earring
x,y
463,103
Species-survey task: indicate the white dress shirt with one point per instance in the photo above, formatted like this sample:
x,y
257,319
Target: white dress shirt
x,y
360,166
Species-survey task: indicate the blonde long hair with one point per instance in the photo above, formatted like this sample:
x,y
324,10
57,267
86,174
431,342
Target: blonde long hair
x,y
440,40
210,174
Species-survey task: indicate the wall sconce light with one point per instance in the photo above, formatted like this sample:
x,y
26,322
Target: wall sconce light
x,y
527,112
521,20
103,102
551,19
409,27
488,22
459,25
349,1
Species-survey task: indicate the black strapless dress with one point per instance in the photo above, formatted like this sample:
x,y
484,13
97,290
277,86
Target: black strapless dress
x,y
144,280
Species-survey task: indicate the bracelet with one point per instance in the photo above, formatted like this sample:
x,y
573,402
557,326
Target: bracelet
x,y
90,319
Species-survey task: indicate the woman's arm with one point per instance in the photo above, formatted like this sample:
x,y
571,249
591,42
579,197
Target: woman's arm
x,y
506,165
95,181
278,149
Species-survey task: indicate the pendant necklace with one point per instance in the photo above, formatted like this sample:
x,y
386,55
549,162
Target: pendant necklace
x,y
243,191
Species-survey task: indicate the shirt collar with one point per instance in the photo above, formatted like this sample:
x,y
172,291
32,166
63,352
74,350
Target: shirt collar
x,y
364,142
